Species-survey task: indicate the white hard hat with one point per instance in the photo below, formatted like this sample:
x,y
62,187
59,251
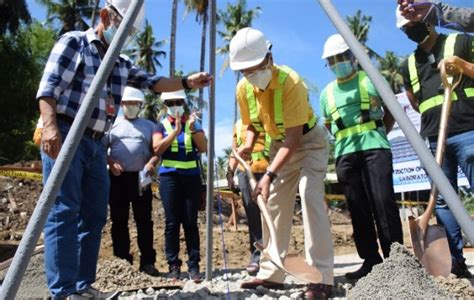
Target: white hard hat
x,y
173,95
334,45
401,20
122,6
132,94
247,49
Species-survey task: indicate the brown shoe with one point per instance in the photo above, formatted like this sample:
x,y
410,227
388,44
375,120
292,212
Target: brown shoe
x,y
318,292
265,283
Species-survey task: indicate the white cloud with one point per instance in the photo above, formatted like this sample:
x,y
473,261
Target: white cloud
x,y
222,135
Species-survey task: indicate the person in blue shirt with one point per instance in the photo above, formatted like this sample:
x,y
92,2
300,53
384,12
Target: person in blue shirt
x,y
131,151
179,139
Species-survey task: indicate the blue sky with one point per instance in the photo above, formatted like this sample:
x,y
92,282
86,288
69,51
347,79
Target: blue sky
x,y
297,30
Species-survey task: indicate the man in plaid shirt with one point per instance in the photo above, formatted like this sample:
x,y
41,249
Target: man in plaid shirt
x,y
73,229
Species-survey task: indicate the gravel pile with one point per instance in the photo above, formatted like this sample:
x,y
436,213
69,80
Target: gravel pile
x,y
460,288
400,276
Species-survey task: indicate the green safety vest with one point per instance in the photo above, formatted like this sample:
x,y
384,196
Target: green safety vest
x,y
259,155
415,81
365,123
277,104
188,146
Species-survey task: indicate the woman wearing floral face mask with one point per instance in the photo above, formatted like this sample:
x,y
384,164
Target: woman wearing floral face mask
x,y
353,113
178,139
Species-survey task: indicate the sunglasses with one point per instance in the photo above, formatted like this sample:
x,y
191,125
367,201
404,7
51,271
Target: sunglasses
x,y
171,103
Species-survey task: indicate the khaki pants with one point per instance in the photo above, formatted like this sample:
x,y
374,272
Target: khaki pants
x,y
305,170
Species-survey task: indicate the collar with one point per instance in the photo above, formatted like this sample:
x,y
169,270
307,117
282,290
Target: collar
x,y
92,37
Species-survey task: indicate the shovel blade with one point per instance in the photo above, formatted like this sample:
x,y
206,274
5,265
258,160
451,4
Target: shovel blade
x,y
431,247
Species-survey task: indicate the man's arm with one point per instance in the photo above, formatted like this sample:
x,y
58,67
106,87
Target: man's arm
x,y
251,137
51,139
194,81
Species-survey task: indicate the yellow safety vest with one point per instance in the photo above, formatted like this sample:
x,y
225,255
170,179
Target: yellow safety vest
x,y
365,123
277,104
188,146
415,81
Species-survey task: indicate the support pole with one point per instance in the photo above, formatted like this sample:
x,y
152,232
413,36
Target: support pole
x,y
210,147
35,226
435,172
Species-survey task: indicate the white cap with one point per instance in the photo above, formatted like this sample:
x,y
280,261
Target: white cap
x,y
401,20
247,49
173,95
334,45
122,6
132,94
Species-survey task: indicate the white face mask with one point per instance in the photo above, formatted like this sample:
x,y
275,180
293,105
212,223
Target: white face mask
x,y
260,79
176,109
131,111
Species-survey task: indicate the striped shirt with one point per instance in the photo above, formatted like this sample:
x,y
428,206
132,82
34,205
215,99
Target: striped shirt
x,y
72,65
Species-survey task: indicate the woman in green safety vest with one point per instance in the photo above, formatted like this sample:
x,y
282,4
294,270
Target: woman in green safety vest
x,y
353,112
423,86
179,141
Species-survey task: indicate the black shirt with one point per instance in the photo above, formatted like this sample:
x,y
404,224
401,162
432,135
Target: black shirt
x,y
462,110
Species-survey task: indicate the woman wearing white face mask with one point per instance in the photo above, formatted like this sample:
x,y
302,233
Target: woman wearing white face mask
x,y
130,142
178,139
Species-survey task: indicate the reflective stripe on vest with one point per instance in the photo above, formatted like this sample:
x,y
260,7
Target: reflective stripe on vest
x,y
283,73
364,106
238,132
259,155
438,99
187,136
179,164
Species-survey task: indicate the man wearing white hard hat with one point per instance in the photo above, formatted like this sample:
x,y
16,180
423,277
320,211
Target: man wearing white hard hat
x,y
131,160
424,89
74,225
179,139
274,99
354,113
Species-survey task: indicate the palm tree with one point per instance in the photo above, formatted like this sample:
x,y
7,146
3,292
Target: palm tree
x,y
360,25
390,68
70,13
201,8
174,13
234,18
12,12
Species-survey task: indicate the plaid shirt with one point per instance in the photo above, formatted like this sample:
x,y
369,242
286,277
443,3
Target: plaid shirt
x,y
72,65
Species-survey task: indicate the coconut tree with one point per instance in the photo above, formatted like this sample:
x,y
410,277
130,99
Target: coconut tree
x,y
234,18
12,13
201,9
70,13
174,13
390,68
360,26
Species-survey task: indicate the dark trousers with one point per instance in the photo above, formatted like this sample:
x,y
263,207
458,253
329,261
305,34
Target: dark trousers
x,y
252,211
123,191
366,177
180,195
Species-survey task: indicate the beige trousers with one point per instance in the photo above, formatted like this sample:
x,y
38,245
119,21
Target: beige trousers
x,y
305,170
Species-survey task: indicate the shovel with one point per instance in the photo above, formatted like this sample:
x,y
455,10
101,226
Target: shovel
x,y
290,263
429,242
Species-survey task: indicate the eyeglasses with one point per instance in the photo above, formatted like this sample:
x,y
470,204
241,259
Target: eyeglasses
x,y
171,103
116,18
265,65
338,58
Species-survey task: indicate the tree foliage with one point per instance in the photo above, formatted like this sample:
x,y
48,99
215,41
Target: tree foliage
x,y
12,13
23,56
71,14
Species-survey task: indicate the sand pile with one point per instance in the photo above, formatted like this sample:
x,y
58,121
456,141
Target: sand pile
x,y
400,276
459,287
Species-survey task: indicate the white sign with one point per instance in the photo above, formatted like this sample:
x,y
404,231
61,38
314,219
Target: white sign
x,y
408,173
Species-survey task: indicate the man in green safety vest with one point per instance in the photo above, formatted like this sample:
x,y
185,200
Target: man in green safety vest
x,y
259,164
424,89
274,99
353,112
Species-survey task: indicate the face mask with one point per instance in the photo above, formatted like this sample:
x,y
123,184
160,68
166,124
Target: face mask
x,y
175,109
418,33
260,79
342,69
109,34
131,111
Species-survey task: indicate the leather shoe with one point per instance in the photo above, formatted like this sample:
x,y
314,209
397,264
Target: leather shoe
x,y
318,292
365,269
150,270
260,282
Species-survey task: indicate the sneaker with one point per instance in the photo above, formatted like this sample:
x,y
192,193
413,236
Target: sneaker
x,y
92,293
194,275
460,269
175,273
150,270
365,269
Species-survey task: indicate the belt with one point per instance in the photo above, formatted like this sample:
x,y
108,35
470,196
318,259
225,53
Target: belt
x,y
307,129
95,135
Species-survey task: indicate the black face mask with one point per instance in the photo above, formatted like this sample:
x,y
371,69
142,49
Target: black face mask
x,y
418,33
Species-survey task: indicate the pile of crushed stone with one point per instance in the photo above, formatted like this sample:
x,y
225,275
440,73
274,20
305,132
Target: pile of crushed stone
x,y
461,288
400,276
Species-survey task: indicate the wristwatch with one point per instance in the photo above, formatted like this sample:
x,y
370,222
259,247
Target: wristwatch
x,y
270,174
